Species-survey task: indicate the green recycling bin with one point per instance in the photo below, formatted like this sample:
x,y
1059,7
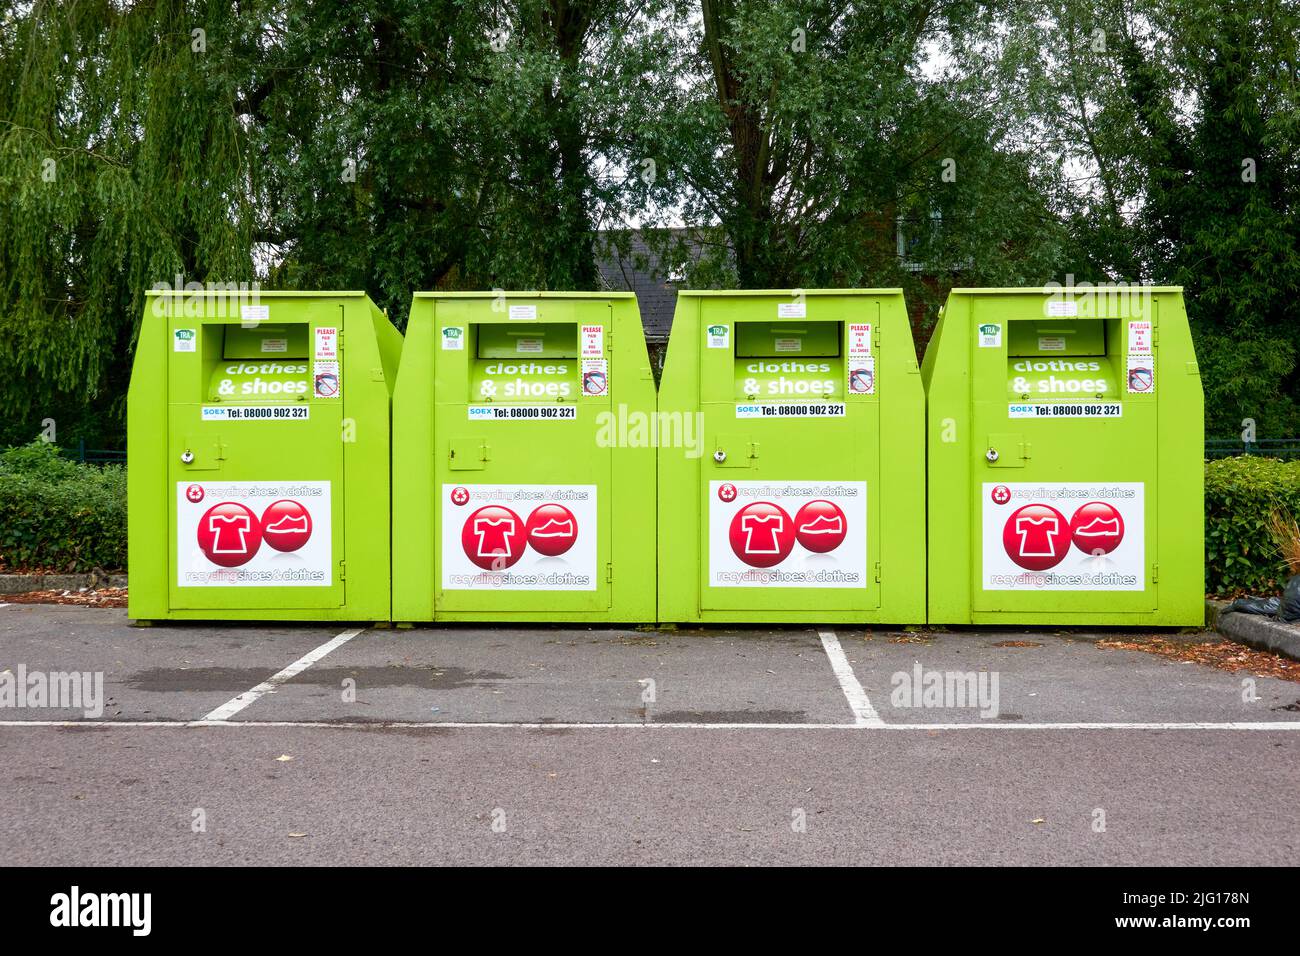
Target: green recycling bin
x,y
258,441
799,495
523,463
1065,435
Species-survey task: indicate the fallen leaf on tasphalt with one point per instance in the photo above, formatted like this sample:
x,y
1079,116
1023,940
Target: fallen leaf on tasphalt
x,y
1223,655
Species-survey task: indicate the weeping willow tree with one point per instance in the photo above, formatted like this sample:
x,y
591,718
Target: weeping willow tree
x,y
122,165
386,145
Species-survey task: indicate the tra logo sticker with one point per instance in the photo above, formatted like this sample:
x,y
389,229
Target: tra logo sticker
x,y
184,340
990,335
453,339
719,336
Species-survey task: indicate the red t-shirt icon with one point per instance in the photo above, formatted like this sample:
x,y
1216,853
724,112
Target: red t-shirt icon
x,y
493,537
762,534
1036,537
229,534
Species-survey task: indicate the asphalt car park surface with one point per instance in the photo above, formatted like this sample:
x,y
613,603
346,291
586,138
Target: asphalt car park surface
x,y
325,744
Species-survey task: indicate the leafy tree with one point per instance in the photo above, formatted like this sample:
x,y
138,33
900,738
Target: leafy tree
x,y
409,145
121,165
1183,115
813,137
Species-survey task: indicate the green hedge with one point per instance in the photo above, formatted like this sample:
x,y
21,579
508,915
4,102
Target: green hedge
x,y
60,515
1240,494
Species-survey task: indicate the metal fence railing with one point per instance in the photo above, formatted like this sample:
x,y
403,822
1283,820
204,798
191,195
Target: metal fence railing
x,y
1284,448
94,456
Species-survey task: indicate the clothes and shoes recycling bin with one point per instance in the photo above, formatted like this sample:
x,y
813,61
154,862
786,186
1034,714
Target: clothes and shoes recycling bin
x,y
258,442
1066,441
524,464
801,494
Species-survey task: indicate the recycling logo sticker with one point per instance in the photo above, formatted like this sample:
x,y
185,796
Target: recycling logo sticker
x,y
254,534
1064,536
519,538
800,534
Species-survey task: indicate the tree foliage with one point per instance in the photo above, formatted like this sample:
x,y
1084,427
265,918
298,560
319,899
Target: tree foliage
x,y
397,145
1185,117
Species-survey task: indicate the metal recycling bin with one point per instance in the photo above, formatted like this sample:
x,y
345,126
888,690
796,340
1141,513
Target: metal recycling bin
x,y
258,442
801,496
524,471
1065,437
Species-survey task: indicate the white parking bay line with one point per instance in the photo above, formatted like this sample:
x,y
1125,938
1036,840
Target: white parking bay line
x,y
232,707
864,715
104,725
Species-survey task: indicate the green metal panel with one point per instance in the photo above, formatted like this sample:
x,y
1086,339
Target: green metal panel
x,y
1065,443
802,497
258,436
524,480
